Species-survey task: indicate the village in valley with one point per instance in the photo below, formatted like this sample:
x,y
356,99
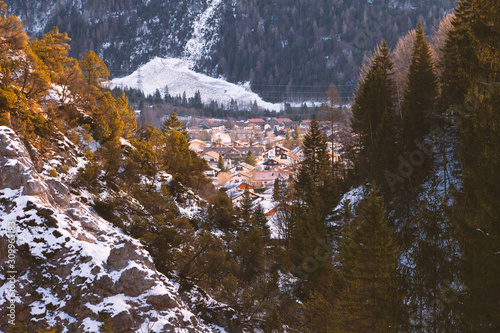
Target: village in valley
x,y
252,155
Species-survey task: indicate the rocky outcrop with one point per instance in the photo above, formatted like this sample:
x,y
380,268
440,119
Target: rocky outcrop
x,y
72,267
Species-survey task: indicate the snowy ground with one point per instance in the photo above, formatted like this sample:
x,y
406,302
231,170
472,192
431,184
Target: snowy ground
x,y
177,75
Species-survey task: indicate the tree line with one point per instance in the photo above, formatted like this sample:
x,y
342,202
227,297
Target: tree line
x,y
256,41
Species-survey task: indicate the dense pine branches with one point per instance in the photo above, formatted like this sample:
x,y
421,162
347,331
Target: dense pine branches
x,y
370,300
259,41
374,115
447,246
420,93
471,79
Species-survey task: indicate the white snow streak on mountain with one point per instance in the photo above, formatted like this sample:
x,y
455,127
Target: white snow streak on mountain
x,y
177,75
204,35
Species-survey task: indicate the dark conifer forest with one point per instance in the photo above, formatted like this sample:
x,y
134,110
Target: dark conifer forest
x,y
259,41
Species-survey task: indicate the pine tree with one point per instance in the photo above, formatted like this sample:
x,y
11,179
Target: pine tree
x,y
281,196
279,189
260,221
53,51
331,111
369,301
472,72
375,95
173,122
220,212
94,68
314,199
220,163
250,158
296,132
246,209
35,76
374,116
420,93
12,31
127,116
431,272
249,251
315,151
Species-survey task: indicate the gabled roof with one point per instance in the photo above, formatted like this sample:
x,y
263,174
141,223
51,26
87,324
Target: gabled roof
x,y
237,194
256,120
233,149
243,173
282,147
269,175
277,160
246,165
292,156
211,154
283,120
197,141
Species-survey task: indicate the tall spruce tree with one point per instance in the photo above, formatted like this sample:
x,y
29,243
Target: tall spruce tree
x,y
374,116
431,271
370,301
420,93
220,163
315,151
472,81
313,203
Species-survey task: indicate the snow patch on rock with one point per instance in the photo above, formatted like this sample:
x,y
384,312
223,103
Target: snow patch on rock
x,y
72,265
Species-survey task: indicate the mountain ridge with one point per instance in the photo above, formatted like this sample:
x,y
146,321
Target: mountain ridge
x,y
72,266
287,50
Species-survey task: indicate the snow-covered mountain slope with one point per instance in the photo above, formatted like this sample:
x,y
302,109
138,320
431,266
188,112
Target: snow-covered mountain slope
x,y
179,78
70,267
290,50
205,33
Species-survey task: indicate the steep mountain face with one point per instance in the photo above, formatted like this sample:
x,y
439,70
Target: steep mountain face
x,y
72,269
124,33
287,49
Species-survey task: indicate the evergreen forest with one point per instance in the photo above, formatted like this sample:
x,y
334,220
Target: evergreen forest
x,y
258,41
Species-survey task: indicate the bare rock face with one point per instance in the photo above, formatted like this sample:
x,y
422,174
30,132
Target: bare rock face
x,y
72,266
16,165
59,192
120,256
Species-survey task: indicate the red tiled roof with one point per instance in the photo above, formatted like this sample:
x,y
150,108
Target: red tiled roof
x,y
256,120
283,120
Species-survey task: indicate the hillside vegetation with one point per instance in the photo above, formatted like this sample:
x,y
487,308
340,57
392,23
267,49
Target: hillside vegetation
x,y
289,50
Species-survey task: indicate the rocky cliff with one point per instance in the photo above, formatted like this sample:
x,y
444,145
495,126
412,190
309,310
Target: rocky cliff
x,y
73,270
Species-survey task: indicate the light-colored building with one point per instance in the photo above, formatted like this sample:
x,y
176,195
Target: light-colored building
x,y
211,157
267,178
242,166
197,145
221,137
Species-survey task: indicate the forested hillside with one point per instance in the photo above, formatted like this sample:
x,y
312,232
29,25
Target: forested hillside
x,y
406,240
288,49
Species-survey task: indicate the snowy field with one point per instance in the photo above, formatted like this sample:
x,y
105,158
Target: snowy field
x,y
177,75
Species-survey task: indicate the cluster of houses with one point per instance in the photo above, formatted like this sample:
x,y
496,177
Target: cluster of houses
x,y
250,155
